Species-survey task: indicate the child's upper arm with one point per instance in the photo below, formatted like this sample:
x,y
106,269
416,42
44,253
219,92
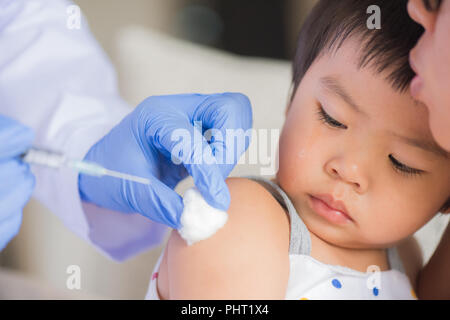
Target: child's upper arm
x,y
248,258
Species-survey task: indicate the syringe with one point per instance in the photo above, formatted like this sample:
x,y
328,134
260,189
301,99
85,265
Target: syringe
x,y
57,160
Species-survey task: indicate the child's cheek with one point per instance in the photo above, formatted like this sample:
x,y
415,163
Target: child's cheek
x,y
294,155
287,170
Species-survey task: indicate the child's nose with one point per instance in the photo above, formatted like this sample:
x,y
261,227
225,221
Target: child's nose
x,y
348,171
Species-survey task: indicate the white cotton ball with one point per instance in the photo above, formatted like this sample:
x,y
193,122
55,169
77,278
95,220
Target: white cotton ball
x,y
199,220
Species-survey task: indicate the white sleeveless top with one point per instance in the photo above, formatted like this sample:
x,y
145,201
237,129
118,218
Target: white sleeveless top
x,y
312,279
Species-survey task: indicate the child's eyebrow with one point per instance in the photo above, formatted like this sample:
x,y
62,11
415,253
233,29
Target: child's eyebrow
x,y
332,84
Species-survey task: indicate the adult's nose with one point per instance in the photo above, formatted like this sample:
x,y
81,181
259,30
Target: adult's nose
x,y
421,14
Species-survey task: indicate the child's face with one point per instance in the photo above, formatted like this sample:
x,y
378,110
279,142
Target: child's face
x,y
352,162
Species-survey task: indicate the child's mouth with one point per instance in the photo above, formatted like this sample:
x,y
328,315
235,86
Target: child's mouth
x,y
322,206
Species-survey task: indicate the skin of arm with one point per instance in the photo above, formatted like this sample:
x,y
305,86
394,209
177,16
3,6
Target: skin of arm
x,y
248,258
433,281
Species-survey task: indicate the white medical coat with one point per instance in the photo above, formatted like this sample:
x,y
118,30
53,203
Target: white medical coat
x,y
59,82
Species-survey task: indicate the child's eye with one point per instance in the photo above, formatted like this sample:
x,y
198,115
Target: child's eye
x,y
403,169
324,117
398,166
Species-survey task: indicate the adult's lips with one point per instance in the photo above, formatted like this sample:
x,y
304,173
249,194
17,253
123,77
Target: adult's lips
x,y
417,82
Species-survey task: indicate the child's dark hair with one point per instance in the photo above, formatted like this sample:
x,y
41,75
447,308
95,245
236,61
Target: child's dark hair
x,y
331,22
386,50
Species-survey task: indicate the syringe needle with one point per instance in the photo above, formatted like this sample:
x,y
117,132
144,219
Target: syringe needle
x,y
97,170
126,176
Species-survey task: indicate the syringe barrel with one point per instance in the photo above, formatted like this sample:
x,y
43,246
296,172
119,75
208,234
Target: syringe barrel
x,y
86,167
44,157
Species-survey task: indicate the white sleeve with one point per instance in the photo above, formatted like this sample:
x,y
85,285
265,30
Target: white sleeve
x,y
59,82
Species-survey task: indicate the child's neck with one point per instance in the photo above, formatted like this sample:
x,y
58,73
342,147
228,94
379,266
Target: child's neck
x,y
357,259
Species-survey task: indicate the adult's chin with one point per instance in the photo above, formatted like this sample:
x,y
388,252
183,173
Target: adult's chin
x,y
439,118
440,128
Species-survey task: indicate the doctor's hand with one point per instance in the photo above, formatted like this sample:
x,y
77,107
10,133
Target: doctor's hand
x,y
16,180
159,141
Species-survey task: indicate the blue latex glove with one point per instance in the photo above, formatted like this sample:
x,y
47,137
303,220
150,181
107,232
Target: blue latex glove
x,y
141,145
16,180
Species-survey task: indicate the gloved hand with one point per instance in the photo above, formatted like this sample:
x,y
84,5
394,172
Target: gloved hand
x,y
142,145
16,180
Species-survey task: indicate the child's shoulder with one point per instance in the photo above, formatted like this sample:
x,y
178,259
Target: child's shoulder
x,y
248,258
253,202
